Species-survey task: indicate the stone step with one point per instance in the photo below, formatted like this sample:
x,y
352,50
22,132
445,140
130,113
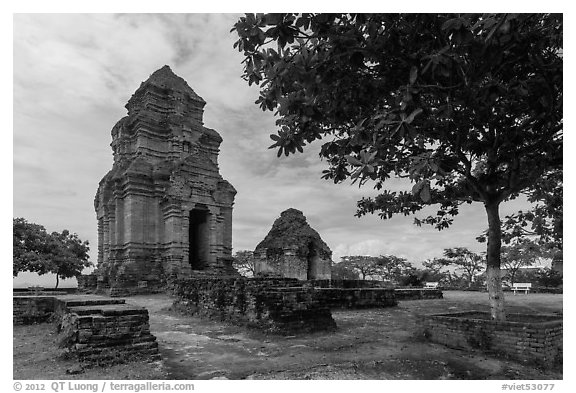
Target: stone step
x,y
83,300
107,309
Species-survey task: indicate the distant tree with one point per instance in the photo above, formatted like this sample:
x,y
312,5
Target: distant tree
x,y
68,255
433,269
29,247
393,267
465,261
245,263
469,107
522,253
549,278
364,265
34,250
342,271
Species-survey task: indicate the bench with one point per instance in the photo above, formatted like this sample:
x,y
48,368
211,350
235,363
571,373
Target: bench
x,y
521,286
431,285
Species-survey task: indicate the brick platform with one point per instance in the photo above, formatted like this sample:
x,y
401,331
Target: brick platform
x,y
528,338
95,329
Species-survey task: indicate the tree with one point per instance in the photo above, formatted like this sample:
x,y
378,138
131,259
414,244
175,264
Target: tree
x,y
393,267
63,254
68,255
544,221
341,271
466,261
29,247
364,265
467,107
433,269
245,263
522,253
549,278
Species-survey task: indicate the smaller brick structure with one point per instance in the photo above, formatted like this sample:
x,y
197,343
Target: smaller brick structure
x,y
95,329
275,305
293,249
281,305
108,333
528,338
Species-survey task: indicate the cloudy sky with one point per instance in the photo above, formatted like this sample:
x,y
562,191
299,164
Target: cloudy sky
x,y
73,74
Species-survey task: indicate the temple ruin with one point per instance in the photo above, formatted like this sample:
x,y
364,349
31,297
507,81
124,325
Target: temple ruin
x,y
164,211
292,249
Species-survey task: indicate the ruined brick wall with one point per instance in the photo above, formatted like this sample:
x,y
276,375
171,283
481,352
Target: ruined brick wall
x,y
95,330
87,282
356,298
346,283
277,305
31,309
534,342
109,334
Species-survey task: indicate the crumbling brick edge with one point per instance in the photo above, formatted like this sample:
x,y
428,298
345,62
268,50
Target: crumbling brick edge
x,y
537,342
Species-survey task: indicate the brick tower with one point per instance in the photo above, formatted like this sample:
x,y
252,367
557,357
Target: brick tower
x,y
164,211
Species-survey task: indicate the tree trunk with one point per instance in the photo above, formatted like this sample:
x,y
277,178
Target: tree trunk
x,y
493,273
57,281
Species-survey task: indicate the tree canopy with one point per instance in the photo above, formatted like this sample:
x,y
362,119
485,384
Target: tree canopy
x,y
37,251
523,253
466,261
468,107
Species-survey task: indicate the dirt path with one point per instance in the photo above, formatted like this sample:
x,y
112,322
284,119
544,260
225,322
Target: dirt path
x,y
369,344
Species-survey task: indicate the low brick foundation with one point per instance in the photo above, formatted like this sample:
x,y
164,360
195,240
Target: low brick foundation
x,y
275,304
108,333
29,309
271,304
336,298
95,329
346,284
528,338
417,293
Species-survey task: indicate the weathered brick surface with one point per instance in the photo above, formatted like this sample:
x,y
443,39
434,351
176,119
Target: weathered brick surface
x,y
281,305
538,341
357,297
31,309
87,282
163,210
94,329
346,283
108,333
278,305
293,249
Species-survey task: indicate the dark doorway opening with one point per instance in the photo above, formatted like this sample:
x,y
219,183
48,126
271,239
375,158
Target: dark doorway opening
x,y
313,260
198,239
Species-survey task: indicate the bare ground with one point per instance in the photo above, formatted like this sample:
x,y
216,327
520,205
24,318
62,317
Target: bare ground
x,y
369,344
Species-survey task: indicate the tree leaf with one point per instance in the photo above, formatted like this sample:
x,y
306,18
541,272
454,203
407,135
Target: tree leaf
x,y
425,193
353,160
